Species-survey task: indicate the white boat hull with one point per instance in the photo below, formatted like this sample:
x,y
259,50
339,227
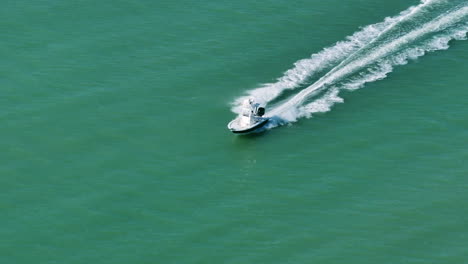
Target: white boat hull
x,y
236,128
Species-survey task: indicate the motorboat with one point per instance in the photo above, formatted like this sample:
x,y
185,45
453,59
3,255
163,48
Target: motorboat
x,y
250,119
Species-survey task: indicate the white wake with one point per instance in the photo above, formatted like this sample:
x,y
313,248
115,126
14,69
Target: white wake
x,y
288,110
330,56
367,56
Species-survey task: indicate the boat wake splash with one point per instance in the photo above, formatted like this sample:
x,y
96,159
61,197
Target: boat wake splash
x,y
368,55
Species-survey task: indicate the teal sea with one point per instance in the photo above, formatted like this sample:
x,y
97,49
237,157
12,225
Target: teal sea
x,y
114,146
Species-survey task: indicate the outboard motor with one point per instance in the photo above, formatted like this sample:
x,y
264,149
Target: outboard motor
x,y
260,111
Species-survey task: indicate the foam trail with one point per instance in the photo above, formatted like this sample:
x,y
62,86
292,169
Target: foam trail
x,y
379,72
289,110
306,68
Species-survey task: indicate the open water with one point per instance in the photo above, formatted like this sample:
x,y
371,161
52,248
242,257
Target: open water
x,y
114,146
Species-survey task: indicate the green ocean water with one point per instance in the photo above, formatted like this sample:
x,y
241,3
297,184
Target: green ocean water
x,y
115,147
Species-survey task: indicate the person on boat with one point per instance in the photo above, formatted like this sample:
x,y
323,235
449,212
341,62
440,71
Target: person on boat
x,y
248,107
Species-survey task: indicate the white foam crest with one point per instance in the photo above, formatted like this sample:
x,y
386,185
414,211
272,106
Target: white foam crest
x,y
321,105
378,72
290,108
306,68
